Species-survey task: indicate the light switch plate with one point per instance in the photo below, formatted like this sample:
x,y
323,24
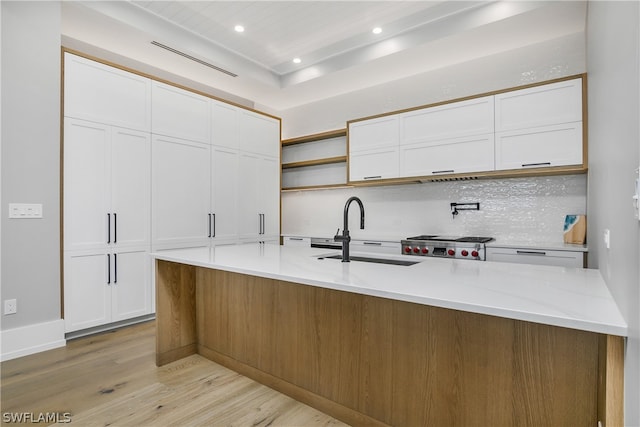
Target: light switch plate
x,y
25,210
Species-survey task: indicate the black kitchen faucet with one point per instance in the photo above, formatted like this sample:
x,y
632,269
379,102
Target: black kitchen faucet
x,y
345,238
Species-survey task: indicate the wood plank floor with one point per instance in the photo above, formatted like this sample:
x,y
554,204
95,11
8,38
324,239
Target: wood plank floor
x,y
111,379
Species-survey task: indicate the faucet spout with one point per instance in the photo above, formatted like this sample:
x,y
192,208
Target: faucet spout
x,y
345,238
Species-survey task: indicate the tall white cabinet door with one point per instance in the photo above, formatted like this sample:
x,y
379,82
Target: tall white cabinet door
x,y
104,94
179,113
86,184
130,284
130,187
248,215
269,193
224,194
179,193
224,124
259,134
87,281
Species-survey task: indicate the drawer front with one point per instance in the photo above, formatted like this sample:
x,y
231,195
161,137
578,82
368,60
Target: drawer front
x,y
537,257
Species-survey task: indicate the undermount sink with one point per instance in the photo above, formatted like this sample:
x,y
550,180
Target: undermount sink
x,y
374,260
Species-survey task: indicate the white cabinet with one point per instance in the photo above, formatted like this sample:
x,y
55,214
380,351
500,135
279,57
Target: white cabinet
x,y
224,124
259,204
457,155
537,106
180,193
447,139
452,120
296,241
259,134
224,194
105,287
104,94
540,126
374,149
179,113
106,224
573,259
107,186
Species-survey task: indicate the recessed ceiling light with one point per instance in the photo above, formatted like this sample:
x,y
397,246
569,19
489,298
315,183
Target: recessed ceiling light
x,y
376,30
239,28
297,60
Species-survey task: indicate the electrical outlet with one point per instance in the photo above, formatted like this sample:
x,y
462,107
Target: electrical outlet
x,y
607,238
25,210
10,306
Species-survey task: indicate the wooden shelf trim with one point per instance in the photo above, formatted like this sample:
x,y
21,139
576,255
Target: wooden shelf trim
x,y
315,137
315,162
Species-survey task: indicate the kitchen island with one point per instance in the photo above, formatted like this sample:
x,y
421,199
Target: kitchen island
x,y
441,342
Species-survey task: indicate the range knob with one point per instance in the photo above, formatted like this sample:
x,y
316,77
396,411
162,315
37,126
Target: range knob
x,y
416,250
465,252
408,249
425,250
475,254
451,252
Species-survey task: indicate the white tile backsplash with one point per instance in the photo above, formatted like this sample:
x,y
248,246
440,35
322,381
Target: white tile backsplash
x,y
523,210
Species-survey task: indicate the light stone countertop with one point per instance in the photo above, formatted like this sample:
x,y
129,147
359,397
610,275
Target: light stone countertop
x,y
567,297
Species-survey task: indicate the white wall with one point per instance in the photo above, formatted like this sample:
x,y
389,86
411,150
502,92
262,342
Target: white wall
x,y
30,167
613,53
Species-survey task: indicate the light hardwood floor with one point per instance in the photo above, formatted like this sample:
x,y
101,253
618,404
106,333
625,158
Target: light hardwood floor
x,y
111,379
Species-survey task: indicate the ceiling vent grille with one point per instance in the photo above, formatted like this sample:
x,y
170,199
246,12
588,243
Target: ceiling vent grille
x,y
199,61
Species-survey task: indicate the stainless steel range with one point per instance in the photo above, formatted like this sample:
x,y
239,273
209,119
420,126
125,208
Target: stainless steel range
x,y
470,247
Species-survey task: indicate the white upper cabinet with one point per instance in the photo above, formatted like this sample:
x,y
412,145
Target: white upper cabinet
x,y
381,132
545,146
453,120
224,124
104,94
537,106
179,113
540,126
458,155
259,134
374,148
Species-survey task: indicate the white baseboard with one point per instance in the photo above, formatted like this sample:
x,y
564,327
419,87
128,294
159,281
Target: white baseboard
x,y
31,339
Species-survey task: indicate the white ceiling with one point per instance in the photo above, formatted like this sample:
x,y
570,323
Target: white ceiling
x,y
339,52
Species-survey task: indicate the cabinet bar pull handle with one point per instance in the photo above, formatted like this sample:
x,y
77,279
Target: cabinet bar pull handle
x,y
373,243
108,228
115,268
115,227
445,171
296,238
373,177
529,165
531,253
108,269
213,216
209,226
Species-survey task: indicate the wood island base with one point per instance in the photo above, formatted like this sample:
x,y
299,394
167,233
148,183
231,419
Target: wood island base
x,y
373,361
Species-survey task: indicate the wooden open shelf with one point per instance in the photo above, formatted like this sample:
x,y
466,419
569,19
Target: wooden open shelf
x,y
315,137
315,162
